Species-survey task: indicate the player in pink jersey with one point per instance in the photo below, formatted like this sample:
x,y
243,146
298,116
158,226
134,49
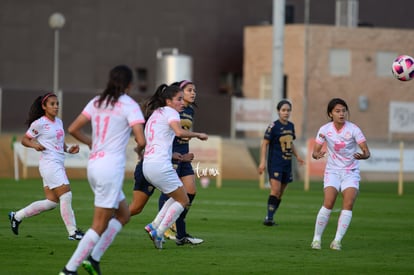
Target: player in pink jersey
x,y
46,134
343,138
161,128
112,115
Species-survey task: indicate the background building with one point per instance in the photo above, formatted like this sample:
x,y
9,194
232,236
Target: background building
x,y
100,34
350,63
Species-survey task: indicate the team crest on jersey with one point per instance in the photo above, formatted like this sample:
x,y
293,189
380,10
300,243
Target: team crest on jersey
x,y
348,135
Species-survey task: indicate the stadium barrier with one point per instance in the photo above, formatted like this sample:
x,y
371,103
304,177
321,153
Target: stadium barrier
x,y
207,161
397,160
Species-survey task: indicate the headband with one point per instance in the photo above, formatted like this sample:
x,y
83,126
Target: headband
x,y
46,96
184,83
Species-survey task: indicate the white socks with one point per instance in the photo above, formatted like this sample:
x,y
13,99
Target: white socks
x,y
343,224
168,214
161,214
114,226
35,208
66,212
323,218
85,246
321,222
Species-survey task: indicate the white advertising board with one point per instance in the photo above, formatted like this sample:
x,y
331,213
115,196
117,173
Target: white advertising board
x,y
388,160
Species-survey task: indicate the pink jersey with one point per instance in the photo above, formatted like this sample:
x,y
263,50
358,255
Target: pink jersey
x,y
49,134
111,127
159,135
342,145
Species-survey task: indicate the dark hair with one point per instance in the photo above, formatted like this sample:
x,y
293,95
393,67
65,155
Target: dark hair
x,y
283,102
159,99
182,84
36,111
333,103
120,77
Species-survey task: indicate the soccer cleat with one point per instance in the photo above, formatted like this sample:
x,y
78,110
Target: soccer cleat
x,y
14,224
269,222
170,234
158,241
91,266
316,245
77,236
188,239
67,272
335,245
149,227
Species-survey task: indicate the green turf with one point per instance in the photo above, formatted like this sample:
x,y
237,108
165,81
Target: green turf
x,y
380,239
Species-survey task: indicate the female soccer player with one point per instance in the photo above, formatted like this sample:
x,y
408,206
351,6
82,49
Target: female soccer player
x,y
46,134
183,165
161,128
112,114
278,142
342,169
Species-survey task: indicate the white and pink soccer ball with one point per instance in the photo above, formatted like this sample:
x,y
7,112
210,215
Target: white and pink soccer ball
x,y
403,67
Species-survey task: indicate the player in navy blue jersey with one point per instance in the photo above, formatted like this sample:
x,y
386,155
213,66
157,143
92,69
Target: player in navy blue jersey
x,y
183,165
278,145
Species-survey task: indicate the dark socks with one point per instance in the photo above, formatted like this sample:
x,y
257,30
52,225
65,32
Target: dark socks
x,y
272,206
180,222
161,200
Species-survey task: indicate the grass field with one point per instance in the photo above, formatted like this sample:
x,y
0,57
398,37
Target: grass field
x,y
380,239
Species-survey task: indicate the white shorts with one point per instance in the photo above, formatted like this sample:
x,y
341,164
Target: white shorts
x,y
162,175
106,182
53,174
342,179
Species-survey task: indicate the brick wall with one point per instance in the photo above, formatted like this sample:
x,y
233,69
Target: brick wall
x,y
363,43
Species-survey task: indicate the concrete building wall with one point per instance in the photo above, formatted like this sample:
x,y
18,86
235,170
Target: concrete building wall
x,y
363,45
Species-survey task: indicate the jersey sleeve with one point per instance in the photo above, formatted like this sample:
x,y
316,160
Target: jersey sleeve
x,y
320,136
268,132
88,110
135,116
359,136
34,129
172,115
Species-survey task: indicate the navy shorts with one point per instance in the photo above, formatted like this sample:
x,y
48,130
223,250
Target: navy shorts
x,y
282,176
141,183
183,168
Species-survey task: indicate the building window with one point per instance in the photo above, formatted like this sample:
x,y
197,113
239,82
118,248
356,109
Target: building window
x,y
142,79
289,14
340,62
384,61
266,84
231,84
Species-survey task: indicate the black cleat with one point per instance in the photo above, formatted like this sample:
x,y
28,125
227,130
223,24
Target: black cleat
x,y
269,222
77,236
14,224
91,266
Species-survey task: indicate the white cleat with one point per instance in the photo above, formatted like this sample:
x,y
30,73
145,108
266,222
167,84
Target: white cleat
x,y
316,245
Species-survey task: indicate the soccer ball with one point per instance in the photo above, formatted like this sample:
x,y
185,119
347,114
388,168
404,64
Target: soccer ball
x,y
403,67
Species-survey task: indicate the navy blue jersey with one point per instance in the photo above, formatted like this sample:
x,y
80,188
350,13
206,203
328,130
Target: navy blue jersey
x,y
181,145
280,137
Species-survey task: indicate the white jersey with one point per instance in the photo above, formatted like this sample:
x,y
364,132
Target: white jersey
x,y
49,134
111,128
159,135
342,145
